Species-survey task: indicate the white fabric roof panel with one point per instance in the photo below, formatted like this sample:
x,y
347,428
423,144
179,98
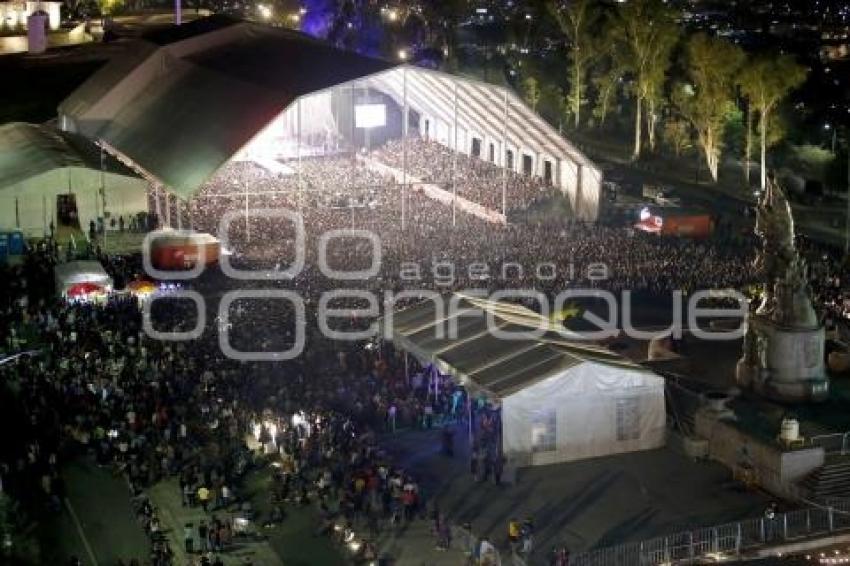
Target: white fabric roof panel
x,y
38,163
73,272
179,104
492,364
480,108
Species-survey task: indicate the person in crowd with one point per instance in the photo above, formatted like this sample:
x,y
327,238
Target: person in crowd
x,y
447,437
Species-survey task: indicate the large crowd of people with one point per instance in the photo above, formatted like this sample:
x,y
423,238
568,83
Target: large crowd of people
x,y
99,387
472,178
516,256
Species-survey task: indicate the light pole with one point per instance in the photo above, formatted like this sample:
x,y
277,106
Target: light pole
x,y
847,217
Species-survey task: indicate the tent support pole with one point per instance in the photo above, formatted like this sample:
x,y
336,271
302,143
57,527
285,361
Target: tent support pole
x,y
406,118
406,368
504,169
157,206
247,224
167,212
454,166
298,153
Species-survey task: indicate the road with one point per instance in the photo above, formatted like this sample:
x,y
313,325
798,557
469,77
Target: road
x,y
824,223
101,518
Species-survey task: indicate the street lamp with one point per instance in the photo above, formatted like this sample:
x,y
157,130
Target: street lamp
x,y
829,127
847,218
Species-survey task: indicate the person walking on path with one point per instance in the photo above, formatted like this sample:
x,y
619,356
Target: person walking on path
x,y
391,417
526,538
487,553
498,468
444,533
203,536
188,538
514,534
204,497
470,544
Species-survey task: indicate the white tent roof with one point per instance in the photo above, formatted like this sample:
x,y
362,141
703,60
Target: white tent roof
x,y
38,163
74,272
500,367
180,104
481,107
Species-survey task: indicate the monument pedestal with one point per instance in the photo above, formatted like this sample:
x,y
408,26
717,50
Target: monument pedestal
x,y
784,363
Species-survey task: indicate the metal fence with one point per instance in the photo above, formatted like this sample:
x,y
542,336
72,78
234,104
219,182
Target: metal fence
x,y
724,541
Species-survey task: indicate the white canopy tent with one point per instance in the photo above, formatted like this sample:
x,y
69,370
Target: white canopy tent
x,y
561,399
72,273
38,166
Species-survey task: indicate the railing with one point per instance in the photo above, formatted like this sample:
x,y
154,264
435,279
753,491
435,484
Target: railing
x,y
724,541
836,443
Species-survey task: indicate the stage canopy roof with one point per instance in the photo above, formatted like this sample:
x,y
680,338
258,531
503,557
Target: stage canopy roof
x,y
490,364
182,102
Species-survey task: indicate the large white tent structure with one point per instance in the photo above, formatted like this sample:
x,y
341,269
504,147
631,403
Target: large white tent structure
x,y
561,399
40,167
185,101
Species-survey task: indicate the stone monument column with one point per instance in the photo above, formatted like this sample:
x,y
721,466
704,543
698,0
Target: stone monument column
x,y
783,356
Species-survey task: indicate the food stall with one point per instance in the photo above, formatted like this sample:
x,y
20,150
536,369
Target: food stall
x,y
82,280
675,222
176,250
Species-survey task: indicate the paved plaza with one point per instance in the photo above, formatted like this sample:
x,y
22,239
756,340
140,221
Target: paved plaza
x,y
582,505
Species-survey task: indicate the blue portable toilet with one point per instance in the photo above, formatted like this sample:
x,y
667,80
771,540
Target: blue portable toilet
x,y
4,247
16,243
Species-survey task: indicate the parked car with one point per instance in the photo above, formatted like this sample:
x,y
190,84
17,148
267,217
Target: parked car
x,y
666,197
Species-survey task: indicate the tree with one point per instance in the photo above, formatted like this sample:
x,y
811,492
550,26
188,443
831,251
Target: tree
x,y
654,99
576,20
606,84
748,141
765,81
712,65
677,135
644,32
607,75
551,104
531,92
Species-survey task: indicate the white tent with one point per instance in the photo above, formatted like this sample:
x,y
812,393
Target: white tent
x,y
584,411
561,399
72,273
38,165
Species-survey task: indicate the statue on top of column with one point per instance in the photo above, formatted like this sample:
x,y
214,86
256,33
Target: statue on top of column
x,y
786,292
